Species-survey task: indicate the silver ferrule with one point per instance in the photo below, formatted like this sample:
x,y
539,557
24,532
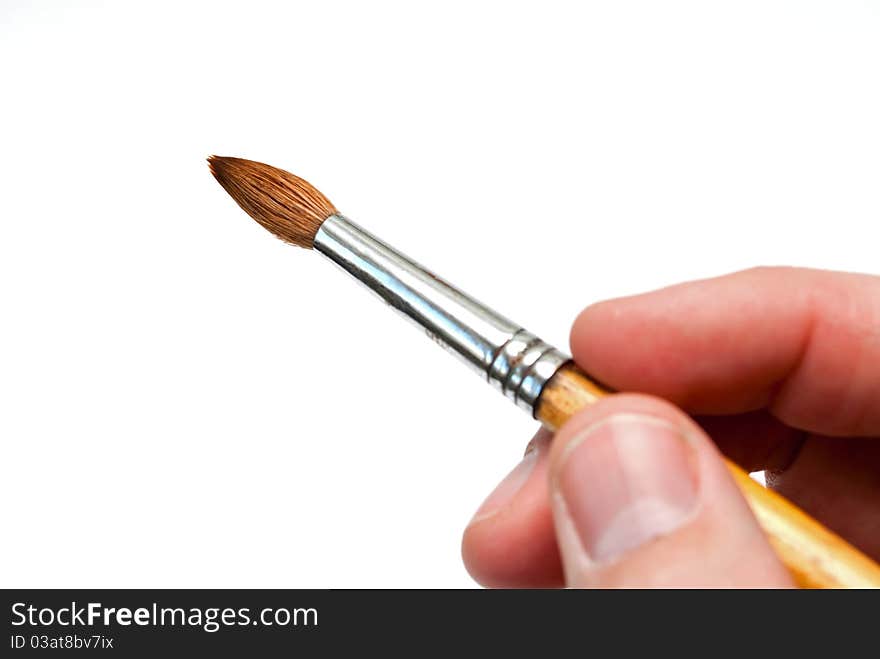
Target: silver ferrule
x,y
510,358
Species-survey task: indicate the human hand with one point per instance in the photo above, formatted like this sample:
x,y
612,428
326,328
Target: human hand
x,y
780,366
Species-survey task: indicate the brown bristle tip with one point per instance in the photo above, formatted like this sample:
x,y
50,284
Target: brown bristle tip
x,y
281,202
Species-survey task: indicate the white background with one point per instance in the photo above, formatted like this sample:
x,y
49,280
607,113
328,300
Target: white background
x,y
186,401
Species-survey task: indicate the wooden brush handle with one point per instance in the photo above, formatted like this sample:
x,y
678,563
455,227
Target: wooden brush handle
x,y
816,557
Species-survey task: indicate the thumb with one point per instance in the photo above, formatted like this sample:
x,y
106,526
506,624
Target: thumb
x,y
641,497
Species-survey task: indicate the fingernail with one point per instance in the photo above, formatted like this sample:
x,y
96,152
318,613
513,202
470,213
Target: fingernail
x,y
507,489
626,480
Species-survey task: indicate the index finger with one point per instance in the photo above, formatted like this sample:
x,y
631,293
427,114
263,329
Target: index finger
x,y
803,343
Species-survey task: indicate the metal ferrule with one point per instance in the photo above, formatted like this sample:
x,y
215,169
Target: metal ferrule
x,y
510,358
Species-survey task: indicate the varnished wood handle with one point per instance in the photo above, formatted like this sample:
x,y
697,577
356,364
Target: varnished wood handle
x,y
816,557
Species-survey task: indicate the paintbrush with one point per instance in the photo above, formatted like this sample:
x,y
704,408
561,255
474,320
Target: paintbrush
x,y
537,377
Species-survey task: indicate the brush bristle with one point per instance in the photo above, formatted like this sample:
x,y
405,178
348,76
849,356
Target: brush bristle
x,y
285,204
